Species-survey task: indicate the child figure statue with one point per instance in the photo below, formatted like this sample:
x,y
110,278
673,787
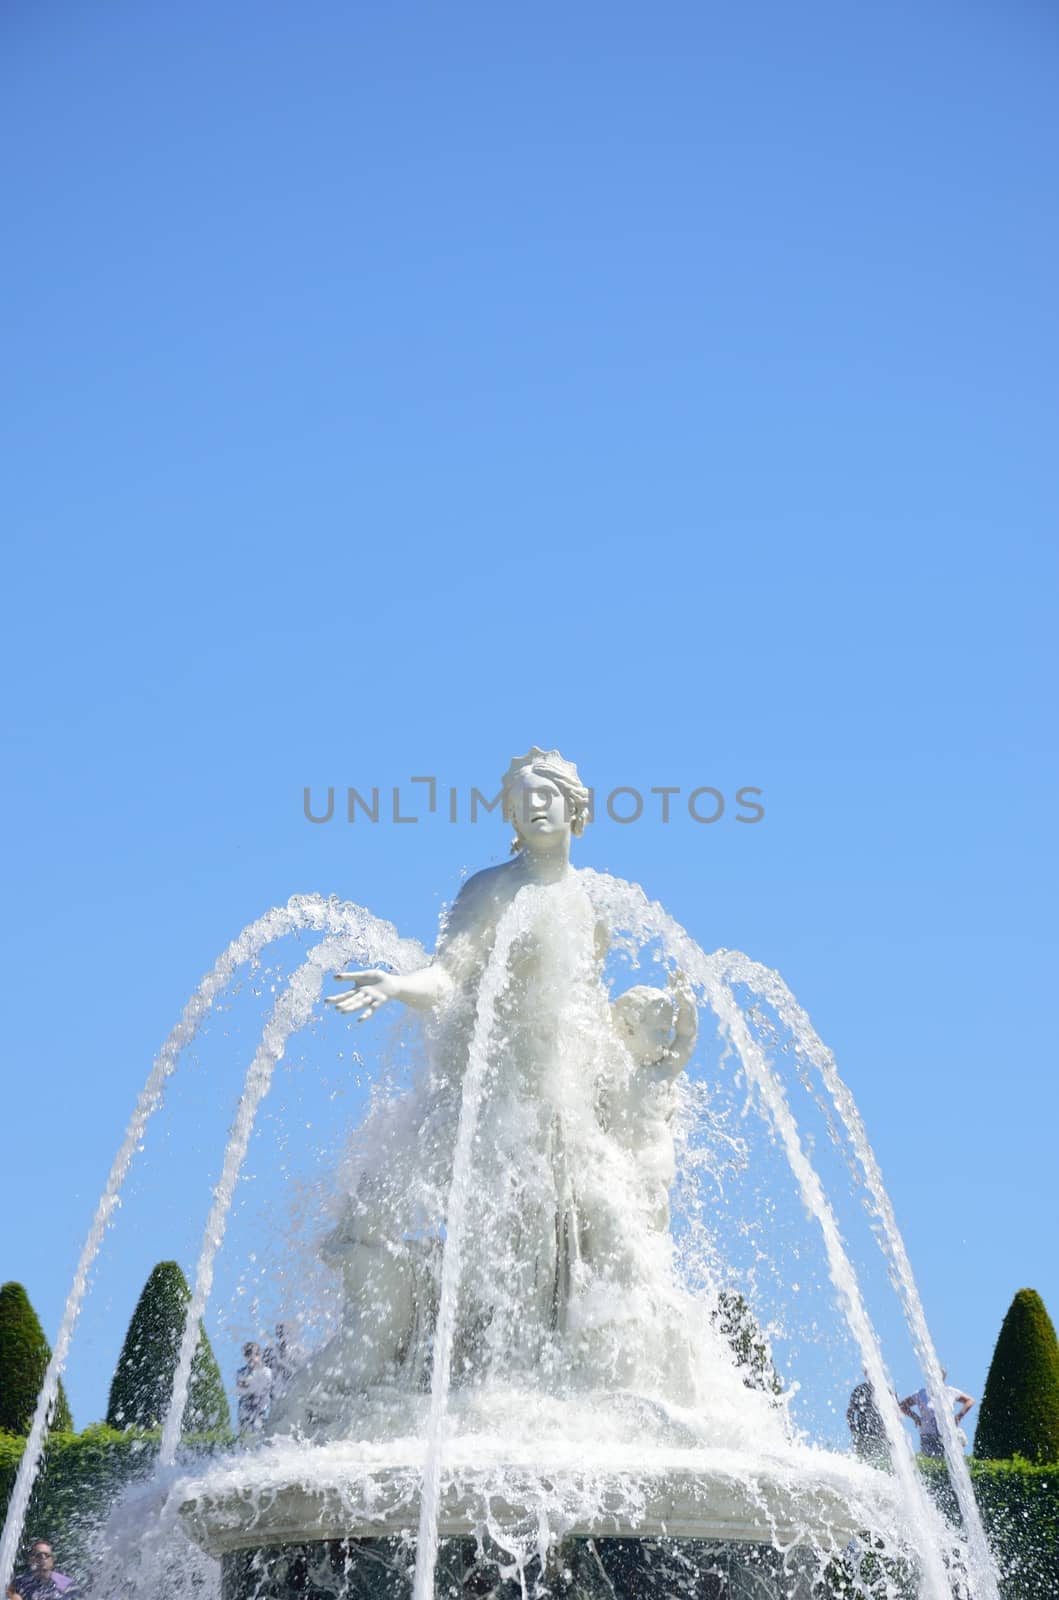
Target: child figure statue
x,y
658,1028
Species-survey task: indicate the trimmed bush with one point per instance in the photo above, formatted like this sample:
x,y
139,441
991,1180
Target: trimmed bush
x,y
81,1477
748,1344
1019,1503
143,1379
24,1357
1019,1415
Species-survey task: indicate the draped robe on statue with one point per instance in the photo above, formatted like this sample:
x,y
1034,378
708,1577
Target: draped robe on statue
x,y
566,1283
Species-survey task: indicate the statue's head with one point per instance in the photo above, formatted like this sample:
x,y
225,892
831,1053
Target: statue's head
x,y
543,798
645,1019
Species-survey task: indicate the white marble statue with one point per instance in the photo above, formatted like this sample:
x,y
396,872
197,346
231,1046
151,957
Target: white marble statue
x,y
568,1277
658,1028
522,1358
547,805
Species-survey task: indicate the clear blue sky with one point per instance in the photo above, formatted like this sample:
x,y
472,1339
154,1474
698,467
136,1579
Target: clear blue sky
x,y
391,388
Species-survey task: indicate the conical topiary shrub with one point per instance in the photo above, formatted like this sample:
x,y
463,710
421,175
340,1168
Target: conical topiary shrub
x,y
1019,1415
24,1356
143,1379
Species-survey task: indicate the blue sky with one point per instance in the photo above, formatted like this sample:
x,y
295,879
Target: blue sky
x,y
390,390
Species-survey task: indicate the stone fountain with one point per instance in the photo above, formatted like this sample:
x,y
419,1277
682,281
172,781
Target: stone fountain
x,y
526,1393
521,1378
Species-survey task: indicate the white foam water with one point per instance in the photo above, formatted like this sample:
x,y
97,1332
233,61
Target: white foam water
x,y
767,983
494,981
520,1425
366,939
307,911
627,905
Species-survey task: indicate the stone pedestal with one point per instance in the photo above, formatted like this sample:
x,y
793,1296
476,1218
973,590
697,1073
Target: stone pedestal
x,y
579,1569
324,1525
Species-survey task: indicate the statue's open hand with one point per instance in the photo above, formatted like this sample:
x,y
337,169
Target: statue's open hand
x,y
372,990
687,1018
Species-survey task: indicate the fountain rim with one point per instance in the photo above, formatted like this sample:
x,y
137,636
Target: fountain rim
x,y
705,1500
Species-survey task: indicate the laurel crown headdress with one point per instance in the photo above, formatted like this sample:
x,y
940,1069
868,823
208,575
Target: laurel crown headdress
x,y
550,764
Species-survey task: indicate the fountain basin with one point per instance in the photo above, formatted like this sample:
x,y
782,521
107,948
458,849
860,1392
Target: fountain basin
x,y
287,1494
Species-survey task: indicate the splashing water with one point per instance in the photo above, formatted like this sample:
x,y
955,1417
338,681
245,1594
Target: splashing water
x,y
521,920
766,982
308,911
627,905
494,981
574,1482
840,1267
368,940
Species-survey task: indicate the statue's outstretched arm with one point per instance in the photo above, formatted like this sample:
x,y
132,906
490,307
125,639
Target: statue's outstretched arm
x,y
430,986
423,990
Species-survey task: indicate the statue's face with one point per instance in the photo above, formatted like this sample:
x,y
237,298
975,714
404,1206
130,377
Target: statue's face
x,y
651,1029
538,808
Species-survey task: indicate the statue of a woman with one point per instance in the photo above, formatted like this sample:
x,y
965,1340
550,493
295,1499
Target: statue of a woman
x,y
546,803
536,1101
567,1275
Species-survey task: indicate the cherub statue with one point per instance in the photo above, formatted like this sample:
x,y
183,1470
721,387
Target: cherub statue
x,y
658,1028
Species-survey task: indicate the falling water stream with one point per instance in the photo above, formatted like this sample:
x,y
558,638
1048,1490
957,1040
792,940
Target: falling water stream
x,y
370,941
494,981
307,911
627,905
354,934
767,983
843,1276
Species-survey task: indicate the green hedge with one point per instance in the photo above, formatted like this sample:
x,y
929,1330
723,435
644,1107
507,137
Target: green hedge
x,y
1019,1502
81,1477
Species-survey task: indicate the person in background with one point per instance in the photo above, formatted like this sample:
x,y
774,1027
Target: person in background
x,y
918,1407
253,1380
283,1358
866,1426
40,1581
